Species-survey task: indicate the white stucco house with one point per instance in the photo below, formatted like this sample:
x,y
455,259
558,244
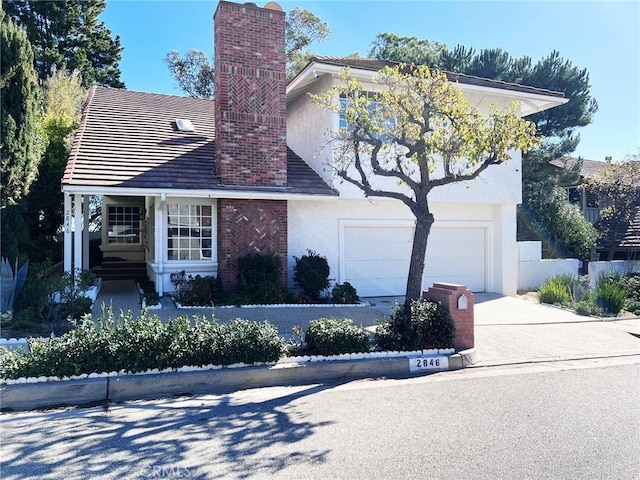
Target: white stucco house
x,y
247,173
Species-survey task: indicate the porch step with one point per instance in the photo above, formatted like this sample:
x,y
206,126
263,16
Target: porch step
x,y
121,271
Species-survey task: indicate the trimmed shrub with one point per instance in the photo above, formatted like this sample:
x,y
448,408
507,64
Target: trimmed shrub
x,y
311,273
259,279
344,294
333,336
135,345
427,325
198,291
554,291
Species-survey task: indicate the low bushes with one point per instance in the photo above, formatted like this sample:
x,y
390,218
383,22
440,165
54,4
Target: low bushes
x,y
197,290
332,336
50,298
344,293
613,293
631,285
427,325
259,282
136,345
554,291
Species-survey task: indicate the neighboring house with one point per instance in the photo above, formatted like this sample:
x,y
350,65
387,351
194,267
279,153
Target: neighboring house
x,y
619,238
251,175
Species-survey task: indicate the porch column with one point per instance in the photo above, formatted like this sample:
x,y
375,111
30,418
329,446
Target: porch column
x,y
85,233
67,233
160,241
77,234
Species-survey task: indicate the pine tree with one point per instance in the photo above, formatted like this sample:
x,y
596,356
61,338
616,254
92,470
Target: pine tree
x,y
68,35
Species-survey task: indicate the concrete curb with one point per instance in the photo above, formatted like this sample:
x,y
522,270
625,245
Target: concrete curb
x,y
31,396
93,391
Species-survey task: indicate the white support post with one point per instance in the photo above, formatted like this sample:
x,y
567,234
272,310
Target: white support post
x,y
67,233
77,234
85,233
160,240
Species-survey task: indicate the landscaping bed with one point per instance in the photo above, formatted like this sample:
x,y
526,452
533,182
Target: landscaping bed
x,y
611,295
134,345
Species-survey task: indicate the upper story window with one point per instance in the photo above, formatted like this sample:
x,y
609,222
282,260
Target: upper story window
x,y
189,232
389,122
123,224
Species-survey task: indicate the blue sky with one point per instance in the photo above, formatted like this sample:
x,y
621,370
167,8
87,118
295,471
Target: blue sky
x,y
603,37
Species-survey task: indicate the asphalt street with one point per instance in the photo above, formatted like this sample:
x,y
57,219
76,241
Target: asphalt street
x,y
569,420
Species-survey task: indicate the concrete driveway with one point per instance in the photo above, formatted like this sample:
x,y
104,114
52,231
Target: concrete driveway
x,y
513,330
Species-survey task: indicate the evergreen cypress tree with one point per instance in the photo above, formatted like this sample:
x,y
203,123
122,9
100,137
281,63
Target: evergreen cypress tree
x,y
21,143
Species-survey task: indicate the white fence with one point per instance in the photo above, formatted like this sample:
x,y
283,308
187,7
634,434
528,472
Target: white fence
x,y
533,270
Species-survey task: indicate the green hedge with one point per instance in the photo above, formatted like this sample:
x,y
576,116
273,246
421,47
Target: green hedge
x,y
136,345
333,336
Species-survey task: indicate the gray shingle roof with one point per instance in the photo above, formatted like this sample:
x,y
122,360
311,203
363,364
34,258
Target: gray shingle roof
x,y
130,139
590,168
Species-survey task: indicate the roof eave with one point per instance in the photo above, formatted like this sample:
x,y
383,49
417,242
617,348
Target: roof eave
x,y
257,194
530,102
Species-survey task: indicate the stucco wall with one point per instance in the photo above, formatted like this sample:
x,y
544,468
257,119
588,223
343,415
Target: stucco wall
x,y
533,270
306,128
307,125
316,226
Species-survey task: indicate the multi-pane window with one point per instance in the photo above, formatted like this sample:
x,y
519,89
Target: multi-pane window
x,y
123,224
388,122
190,232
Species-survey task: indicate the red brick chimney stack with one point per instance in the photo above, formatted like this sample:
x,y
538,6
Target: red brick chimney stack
x,y
250,94
250,120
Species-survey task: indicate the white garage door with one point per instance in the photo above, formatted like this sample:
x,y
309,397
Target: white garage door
x,y
376,259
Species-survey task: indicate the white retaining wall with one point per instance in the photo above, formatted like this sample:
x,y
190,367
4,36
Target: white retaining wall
x,y
618,266
533,270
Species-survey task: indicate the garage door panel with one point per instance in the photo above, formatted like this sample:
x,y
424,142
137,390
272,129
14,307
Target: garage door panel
x,y
380,252
377,258
373,269
454,252
378,235
451,236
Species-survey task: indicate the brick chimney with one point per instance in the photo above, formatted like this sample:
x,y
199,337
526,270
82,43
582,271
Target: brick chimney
x,y
250,94
250,121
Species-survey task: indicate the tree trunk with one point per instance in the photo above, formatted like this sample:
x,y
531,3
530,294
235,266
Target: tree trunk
x,y
418,254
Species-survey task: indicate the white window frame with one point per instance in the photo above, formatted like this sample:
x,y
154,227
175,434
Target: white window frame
x,y
189,203
136,225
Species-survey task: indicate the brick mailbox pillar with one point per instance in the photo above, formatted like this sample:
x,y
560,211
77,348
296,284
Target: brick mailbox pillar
x,y
459,300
